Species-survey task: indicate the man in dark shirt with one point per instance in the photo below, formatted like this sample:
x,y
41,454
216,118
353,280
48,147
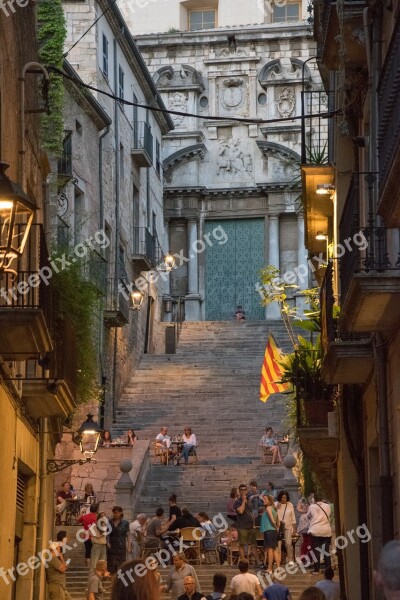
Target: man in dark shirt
x,y
247,535
190,590
277,591
186,520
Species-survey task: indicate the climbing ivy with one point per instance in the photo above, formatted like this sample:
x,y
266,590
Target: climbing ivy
x,y
51,37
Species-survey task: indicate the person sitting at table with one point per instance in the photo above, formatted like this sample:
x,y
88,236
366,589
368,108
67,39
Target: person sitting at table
x,y
156,528
131,437
62,496
164,441
89,495
186,520
270,446
189,441
106,440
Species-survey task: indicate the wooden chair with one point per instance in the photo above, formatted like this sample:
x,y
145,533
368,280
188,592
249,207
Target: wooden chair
x,y
233,553
193,553
160,453
193,452
212,549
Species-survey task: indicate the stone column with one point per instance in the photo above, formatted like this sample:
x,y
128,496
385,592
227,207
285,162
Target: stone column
x,y
192,300
302,264
273,311
124,488
166,277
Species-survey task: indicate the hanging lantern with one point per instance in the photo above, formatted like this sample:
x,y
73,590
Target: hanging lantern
x,y
16,216
169,262
137,299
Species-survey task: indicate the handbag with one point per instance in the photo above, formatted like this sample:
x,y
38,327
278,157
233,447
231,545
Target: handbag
x,y
281,530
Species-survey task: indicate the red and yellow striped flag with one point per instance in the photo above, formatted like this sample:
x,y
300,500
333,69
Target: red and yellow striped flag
x,y
271,371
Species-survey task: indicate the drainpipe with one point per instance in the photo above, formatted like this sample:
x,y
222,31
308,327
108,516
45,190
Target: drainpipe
x,y
101,187
117,224
386,482
42,507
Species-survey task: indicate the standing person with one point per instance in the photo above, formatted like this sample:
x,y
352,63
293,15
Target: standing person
x,y
219,585
320,531
245,581
189,441
87,520
302,528
56,571
245,523
173,508
98,535
270,490
131,437
269,527
189,584
127,586
253,497
117,540
330,588
179,571
95,589
137,532
387,576
277,591
230,510
285,510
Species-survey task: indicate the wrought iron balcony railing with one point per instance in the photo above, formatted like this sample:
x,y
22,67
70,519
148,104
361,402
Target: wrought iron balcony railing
x,y
142,149
117,304
146,246
315,126
369,245
389,108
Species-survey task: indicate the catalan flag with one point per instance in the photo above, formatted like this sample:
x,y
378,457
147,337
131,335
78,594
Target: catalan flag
x,y
271,372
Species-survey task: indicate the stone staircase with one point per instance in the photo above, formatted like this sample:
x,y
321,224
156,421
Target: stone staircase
x,y
212,384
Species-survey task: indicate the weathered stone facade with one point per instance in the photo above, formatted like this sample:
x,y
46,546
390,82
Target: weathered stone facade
x,y
219,169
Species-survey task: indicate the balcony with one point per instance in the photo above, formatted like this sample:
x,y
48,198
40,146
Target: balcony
x,y
316,136
49,385
347,359
316,430
116,312
25,303
142,149
369,274
328,31
389,133
146,254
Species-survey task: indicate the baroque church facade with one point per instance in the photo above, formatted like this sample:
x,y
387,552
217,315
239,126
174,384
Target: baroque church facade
x,y
232,189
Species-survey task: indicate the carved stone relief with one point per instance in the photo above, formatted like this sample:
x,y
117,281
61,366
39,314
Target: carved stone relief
x,y
285,102
178,101
232,95
233,160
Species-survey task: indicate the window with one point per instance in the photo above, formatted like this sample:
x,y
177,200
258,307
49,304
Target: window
x,y
288,12
202,19
158,157
135,122
78,127
105,55
121,83
65,161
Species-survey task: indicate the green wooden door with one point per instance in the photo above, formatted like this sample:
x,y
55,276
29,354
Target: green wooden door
x,y
232,269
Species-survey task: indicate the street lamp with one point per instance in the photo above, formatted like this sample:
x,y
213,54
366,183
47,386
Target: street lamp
x,y
169,262
87,437
137,299
16,216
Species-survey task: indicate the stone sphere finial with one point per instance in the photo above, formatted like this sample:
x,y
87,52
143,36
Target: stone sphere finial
x,y
289,461
125,465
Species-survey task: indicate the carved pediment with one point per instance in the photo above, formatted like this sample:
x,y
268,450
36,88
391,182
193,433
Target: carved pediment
x,y
185,155
183,77
284,70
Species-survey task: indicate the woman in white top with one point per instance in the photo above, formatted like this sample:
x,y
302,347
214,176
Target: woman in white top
x,y
189,442
319,515
285,510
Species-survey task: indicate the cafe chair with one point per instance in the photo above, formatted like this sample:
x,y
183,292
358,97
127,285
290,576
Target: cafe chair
x,y
209,548
194,552
159,453
233,553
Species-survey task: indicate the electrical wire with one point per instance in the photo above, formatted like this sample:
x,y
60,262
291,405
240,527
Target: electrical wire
x,y
79,82
89,28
